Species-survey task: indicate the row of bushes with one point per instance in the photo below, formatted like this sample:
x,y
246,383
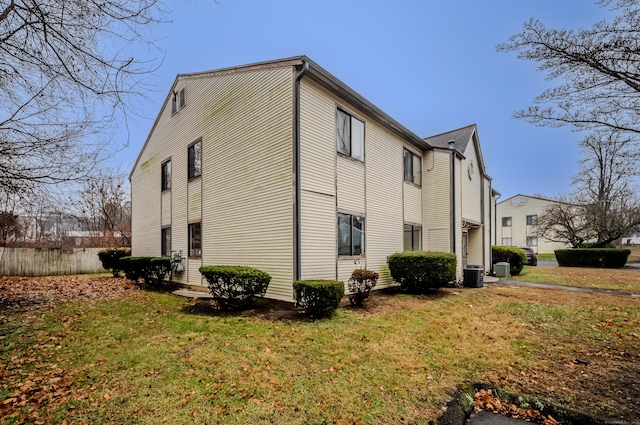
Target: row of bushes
x,y
592,257
236,286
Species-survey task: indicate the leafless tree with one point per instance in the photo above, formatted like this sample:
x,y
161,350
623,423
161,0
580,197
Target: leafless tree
x,y
604,205
563,221
605,184
67,78
105,208
599,70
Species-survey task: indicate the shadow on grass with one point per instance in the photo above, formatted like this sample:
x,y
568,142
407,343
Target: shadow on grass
x,y
380,302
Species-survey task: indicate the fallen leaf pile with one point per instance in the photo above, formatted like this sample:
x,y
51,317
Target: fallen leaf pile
x,y
28,291
486,400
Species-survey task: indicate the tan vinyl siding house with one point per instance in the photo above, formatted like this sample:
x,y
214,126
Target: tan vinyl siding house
x,y
280,166
515,225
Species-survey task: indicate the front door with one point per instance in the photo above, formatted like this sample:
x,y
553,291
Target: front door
x,y
465,248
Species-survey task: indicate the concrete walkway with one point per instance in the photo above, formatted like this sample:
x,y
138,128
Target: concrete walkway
x,y
565,288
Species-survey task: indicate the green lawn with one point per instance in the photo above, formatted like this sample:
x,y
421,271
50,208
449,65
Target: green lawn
x,y
149,359
627,280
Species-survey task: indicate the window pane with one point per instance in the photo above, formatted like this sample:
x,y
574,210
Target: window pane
x,y
407,236
195,240
344,234
506,221
417,169
195,160
358,235
417,238
166,175
182,100
408,164
166,242
532,220
357,139
506,241
343,132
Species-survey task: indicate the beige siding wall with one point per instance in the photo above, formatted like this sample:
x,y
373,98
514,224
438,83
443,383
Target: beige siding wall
x,y
471,185
330,182
436,201
244,197
412,203
518,208
166,208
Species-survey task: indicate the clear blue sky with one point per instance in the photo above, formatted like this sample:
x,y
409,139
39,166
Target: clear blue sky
x,y
430,64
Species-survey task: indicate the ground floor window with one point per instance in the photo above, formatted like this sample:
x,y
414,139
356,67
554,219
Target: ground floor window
x,y
350,234
412,238
165,243
506,241
195,240
532,241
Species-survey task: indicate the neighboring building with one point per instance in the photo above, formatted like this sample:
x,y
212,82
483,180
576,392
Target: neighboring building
x,y
281,166
516,219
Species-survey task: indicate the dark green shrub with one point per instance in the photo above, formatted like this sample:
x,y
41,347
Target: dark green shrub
x,y
608,258
110,258
235,286
420,271
319,298
508,254
360,285
160,269
136,268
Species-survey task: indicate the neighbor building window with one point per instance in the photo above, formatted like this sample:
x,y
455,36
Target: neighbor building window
x,y
178,100
350,135
412,167
195,240
532,241
532,220
195,160
350,234
166,175
412,238
165,243
506,241
506,221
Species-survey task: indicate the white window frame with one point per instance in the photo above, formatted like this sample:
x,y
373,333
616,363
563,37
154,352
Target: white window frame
x,y
411,162
507,220
194,168
507,242
413,229
350,135
350,236
178,100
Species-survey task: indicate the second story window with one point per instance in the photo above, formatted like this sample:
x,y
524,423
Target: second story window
x,y
178,100
532,220
350,135
195,160
506,221
166,175
412,167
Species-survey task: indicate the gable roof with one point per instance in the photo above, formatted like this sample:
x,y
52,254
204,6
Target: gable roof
x,y
461,138
527,196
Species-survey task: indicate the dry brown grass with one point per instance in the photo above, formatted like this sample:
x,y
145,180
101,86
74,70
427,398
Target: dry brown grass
x,y
155,358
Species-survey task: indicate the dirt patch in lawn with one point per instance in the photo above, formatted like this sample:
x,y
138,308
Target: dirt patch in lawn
x,y
25,292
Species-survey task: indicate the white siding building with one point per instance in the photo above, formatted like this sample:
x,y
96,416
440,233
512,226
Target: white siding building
x,y
516,220
280,166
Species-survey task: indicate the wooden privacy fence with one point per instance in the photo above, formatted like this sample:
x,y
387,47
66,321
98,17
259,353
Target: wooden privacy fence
x,y
49,261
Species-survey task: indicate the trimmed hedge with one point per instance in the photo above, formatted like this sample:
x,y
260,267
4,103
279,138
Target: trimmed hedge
x,y
418,272
110,258
235,286
160,269
608,258
318,298
152,270
360,285
508,254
